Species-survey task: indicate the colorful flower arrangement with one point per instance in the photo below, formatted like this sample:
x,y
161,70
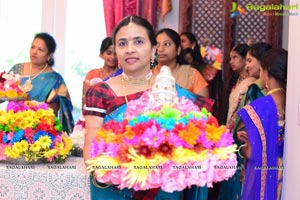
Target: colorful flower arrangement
x,y
171,146
10,88
30,130
212,56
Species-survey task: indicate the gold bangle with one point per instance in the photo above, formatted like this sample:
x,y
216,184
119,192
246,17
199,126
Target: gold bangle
x,y
239,149
96,183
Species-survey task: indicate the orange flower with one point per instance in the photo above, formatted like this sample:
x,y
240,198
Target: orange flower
x,y
190,135
214,133
129,134
106,136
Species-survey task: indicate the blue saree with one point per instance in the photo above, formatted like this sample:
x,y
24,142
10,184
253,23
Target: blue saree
x,y
263,175
232,188
50,87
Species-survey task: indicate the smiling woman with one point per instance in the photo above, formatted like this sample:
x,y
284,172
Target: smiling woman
x,y
60,19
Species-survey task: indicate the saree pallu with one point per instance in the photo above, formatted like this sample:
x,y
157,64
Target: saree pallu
x,y
50,87
232,188
261,176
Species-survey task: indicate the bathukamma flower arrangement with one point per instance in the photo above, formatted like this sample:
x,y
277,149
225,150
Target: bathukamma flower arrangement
x,y
162,141
30,130
10,88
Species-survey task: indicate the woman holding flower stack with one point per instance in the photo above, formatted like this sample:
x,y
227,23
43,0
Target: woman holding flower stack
x,y
135,45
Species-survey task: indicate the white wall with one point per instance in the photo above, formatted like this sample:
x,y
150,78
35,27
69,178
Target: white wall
x,y
172,18
56,26
291,176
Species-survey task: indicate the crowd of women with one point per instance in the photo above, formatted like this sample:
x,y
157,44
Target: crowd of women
x,y
133,56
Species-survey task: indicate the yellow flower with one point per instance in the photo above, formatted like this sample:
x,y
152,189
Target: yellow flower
x,y
182,155
11,94
218,65
100,163
139,176
50,154
9,152
20,147
2,93
223,152
59,146
44,142
35,147
65,146
214,133
106,136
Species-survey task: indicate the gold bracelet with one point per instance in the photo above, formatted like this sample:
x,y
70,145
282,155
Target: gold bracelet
x,y
239,149
96,183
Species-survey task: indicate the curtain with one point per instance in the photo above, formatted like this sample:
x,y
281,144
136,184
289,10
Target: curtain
x,y
115,10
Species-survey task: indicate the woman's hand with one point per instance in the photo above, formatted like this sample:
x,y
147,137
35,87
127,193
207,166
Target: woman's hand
x,y
245,149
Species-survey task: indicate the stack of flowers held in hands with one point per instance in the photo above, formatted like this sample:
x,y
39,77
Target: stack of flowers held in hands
x,y
163,141
10,88
30,130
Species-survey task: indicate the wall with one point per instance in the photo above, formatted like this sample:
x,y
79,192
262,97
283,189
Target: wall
x,y
291,175
56,25
171,19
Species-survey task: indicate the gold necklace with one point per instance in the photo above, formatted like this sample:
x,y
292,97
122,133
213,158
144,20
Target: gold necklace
x,y
275,90
147,79
27,85
124,89
137,81
282,113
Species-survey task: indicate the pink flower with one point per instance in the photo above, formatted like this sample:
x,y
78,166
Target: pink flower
x,y
225,140
153,136
97,148
112,149
175,140
185,105
173,179
2,155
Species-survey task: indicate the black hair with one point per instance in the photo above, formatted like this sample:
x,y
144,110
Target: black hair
x,y
106,43
241,49
196,51
195,64
174,37
185,52
275,62
259,50
190,36
171,34
138,21
50,43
